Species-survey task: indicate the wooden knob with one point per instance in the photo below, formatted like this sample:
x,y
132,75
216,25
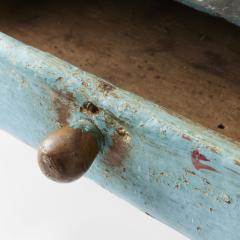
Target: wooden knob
x,y
66,154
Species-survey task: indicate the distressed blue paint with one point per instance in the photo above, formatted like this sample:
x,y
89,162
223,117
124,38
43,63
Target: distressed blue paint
x,y
154,169
230,10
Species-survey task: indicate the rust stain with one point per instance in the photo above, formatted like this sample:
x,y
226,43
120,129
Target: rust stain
x,y
117,152
237,162
197,157
63,103
186,137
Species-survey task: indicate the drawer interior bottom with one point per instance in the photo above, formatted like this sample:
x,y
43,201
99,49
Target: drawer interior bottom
x,y
181,59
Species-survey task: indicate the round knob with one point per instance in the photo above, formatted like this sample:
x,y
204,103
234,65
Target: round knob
x,y
67,153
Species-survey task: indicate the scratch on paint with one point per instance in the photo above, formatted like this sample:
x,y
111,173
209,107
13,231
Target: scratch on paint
x,y
186,137
197,157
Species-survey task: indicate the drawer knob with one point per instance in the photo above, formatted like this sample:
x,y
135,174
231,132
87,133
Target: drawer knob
x,y
67,153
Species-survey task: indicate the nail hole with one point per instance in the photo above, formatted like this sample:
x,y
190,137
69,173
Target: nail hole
x,y
221,126
90,107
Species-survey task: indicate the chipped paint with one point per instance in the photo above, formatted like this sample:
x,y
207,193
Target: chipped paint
x,y
189,172
90,108
237,162
105,87
227,199
186,137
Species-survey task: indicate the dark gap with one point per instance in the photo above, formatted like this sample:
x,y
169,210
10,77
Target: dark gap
x,y
221,126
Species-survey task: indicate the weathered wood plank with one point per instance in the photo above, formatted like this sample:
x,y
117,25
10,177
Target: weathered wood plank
x,y
180,173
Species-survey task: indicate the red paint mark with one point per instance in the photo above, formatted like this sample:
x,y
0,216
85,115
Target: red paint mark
x,y
184,136
197,157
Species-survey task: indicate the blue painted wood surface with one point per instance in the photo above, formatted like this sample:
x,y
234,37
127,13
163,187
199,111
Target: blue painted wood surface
x,y
170,168
230,10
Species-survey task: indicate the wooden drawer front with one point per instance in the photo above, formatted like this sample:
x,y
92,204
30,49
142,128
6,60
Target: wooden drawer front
x,y
172,169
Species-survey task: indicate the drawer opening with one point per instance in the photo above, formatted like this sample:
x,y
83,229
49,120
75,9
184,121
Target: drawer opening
x,y
172,55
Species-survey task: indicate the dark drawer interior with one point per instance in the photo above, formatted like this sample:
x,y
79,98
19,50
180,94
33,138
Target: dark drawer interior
x,y
181,59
